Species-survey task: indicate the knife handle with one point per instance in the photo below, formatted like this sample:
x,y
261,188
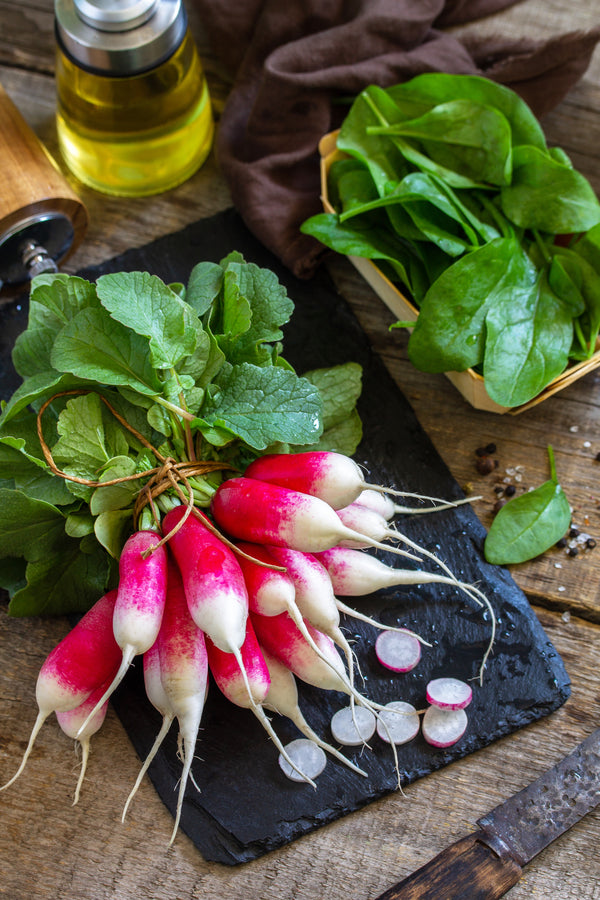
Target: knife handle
x,y
467,870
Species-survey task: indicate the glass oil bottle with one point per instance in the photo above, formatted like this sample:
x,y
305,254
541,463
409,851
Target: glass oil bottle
x,y
134,115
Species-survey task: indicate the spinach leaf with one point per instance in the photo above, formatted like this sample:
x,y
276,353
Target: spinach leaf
x,y
529,332
462,136
450,332
530,524
547,195
424,91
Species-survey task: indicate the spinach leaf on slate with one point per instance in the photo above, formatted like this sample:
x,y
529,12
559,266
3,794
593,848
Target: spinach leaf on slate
x,y
530,524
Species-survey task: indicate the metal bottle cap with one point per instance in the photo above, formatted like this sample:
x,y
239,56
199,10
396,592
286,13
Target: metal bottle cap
x,y
119,37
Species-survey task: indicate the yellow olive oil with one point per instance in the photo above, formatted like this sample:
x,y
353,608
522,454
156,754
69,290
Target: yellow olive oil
x,y
138,134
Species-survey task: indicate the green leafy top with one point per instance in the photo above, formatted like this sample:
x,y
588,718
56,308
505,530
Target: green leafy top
x,y
129,364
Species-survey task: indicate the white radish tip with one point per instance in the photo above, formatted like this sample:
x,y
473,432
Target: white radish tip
x,y
449,693
353,725
443,727
397,650
398,722
305,754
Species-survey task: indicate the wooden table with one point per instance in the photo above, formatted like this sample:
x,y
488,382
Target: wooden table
x,y
49,849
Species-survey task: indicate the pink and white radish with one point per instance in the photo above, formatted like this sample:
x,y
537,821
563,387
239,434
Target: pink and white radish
x,y
159,700
314,596
234,686
331,476
213,581
449,693
385,506
355,573
398,651
84,660
140,601
183,674
263,513
443,727
71,722
270,590
282,698
398,722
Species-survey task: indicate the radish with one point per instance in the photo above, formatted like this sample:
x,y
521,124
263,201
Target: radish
x,y
159,700
270,591
281,637
140,601
449,693
234,686
398,650
265,513
443,727
183,673
212,578
300,756
331,476
356,573
385,506
282,698
314,596
71,721
398,722
353,726
83,661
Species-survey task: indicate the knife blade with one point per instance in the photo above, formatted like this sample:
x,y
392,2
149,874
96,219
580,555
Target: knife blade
x,y
487,863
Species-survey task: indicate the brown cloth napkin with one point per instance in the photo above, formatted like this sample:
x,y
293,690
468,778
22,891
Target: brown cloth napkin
x,y
293,61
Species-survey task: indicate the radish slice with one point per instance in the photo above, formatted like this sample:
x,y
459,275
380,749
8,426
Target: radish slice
x,y
353,731
398,722
449,693
444,727
397,650
309,758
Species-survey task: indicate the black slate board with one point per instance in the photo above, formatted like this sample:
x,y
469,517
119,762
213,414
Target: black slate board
x,y
245,806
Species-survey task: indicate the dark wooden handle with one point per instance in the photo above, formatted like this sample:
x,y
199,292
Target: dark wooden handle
x,y
467,870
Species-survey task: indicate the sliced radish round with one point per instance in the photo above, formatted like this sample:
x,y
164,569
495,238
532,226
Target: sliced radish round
x,y
449,693
398,722
309,758
353,730
443,727
397,650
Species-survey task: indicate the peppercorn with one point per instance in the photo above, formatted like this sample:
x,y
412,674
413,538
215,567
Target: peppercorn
x,y
573,551
590,543
485,465
498,505
573,531
562,542
510,490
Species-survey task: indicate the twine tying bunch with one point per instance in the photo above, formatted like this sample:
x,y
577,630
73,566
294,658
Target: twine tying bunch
x,y
169,474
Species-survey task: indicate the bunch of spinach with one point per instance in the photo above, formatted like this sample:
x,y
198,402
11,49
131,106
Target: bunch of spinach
x,y
196,371
450,186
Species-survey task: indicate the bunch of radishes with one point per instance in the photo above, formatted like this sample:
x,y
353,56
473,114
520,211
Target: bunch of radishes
x,y
249,594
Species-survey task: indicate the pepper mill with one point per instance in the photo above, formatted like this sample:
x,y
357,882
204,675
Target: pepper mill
x,y
41,219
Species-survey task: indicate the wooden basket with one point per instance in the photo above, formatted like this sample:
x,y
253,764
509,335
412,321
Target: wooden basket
x,y
470,384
